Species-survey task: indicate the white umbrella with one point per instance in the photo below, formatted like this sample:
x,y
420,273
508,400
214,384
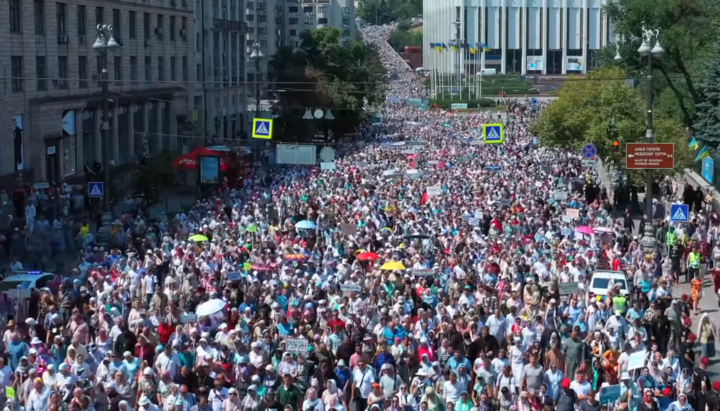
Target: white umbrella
x,y
210,307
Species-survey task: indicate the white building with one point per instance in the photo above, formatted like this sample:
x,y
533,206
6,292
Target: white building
x,y
524,36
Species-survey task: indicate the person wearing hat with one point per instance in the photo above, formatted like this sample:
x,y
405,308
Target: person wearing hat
x,y
145,403
39,396
712,398
568,399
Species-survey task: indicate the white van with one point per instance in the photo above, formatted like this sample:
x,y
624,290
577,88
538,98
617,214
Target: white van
x,y
487,72
601,280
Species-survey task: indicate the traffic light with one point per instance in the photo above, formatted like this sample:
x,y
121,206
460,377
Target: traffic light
x,y
616,146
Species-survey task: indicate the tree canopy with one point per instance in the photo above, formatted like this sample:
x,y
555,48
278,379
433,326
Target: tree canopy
x,y
387,11
599,109
324,74
707,122
687,31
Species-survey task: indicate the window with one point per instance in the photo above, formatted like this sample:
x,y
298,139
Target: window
x,y
82,71
16,69
249,43
61,16
173,75
148,69
251,30
262,6
15,16
293,20
308,9
278,10
346,11
185,68
172,28
278,21
198,44
250,5
98,69
345,21
146,25
309,20
63,72
262,18
262,30
117,24
322,20
293,9
161,69
293,32
183,26
250,17
41,73
198,71
159,26
133,68
346,33
117,70
132,16
263,44
323,9
81,12
99,15
39,17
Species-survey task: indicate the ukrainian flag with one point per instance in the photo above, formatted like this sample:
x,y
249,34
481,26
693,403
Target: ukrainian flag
x,y
702,154
454,46
694,144
485,47
443,47
473,48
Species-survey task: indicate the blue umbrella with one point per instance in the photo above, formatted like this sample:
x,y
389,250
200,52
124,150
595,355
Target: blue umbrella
x,y
306,225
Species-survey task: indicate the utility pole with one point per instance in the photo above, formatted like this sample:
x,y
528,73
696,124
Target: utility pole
x,y
458,42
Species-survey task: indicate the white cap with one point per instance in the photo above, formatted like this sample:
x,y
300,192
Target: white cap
x,y
148,371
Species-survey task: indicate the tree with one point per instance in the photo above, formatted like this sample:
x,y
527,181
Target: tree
x,y
387,11
324,74
599,109
707,122
149,178
687,31
399,39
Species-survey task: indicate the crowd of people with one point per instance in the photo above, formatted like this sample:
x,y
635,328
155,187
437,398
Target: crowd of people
x,y
427,272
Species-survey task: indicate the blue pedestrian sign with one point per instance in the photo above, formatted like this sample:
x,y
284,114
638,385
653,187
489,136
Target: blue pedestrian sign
x,y
262,128
679,213
493,133
533,101
589,151
96,189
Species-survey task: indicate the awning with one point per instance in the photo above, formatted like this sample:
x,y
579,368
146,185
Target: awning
x,y
189,161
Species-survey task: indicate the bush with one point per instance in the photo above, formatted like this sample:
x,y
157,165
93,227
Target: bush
x,y
481,103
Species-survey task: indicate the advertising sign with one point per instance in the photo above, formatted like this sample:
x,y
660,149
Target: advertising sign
x,y
708,169
209,169
650,156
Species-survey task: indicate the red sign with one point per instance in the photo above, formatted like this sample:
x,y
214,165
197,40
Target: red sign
x,y
650,156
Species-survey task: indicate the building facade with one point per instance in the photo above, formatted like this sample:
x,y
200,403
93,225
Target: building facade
x,y
220,98
51,105
523,36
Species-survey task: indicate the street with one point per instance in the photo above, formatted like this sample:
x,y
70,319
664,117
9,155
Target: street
x,y
709,305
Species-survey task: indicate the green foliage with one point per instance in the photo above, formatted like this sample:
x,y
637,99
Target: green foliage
x,y
401,38
600,109
492,86
707,122
324,74
387,11
150,177
446,104
687,32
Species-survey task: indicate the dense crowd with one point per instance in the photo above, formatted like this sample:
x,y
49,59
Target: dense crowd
x,y
428,271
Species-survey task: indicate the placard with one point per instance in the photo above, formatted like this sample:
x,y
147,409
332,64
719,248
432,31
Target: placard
x,y
568,288
636,360
327,165
188,318
572,213
351,287
609,394
538,184
348,228
422,272
297,345
234,276
474,221
560,195
434,191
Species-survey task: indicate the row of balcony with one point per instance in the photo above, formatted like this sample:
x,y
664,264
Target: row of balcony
x,y
230,25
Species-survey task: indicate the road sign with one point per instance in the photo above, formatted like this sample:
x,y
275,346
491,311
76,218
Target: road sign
x,y
533,101
589,151
650,156
96,189
679,213
588,163
493,133
262,128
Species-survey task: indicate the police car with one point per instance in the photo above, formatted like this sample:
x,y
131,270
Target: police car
x,y
603,280
27,280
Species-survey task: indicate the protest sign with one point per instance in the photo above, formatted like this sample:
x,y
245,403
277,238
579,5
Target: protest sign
x,y
297,345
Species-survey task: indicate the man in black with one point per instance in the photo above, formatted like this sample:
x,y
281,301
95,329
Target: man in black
x,y
590,403
712,398
699,378
568,399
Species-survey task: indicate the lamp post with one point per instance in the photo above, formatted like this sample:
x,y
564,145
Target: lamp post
x,y
256,55
649,48
103,43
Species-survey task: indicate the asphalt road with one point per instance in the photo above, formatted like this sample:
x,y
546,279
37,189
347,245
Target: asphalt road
x,y
709,305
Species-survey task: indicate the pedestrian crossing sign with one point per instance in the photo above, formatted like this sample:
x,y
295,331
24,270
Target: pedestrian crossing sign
x,y
493,133
262,128
96,189
679,213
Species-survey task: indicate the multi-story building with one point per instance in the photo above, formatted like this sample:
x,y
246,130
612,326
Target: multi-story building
x,y
219,101
277,23
523,36
51,103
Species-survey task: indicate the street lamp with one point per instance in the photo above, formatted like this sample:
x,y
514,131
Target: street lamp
x,y
103,43
650,50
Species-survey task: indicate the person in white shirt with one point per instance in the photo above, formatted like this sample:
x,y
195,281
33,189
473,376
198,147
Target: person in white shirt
x,y
167,361
363,378
38,398
581,387
451,390
217,396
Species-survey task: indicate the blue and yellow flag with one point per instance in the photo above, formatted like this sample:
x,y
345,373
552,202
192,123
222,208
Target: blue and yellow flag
x,y
702,154
485,47
473,48
454,46
694,144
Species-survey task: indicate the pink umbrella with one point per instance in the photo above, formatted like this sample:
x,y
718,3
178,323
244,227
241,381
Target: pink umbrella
x,y
585,230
